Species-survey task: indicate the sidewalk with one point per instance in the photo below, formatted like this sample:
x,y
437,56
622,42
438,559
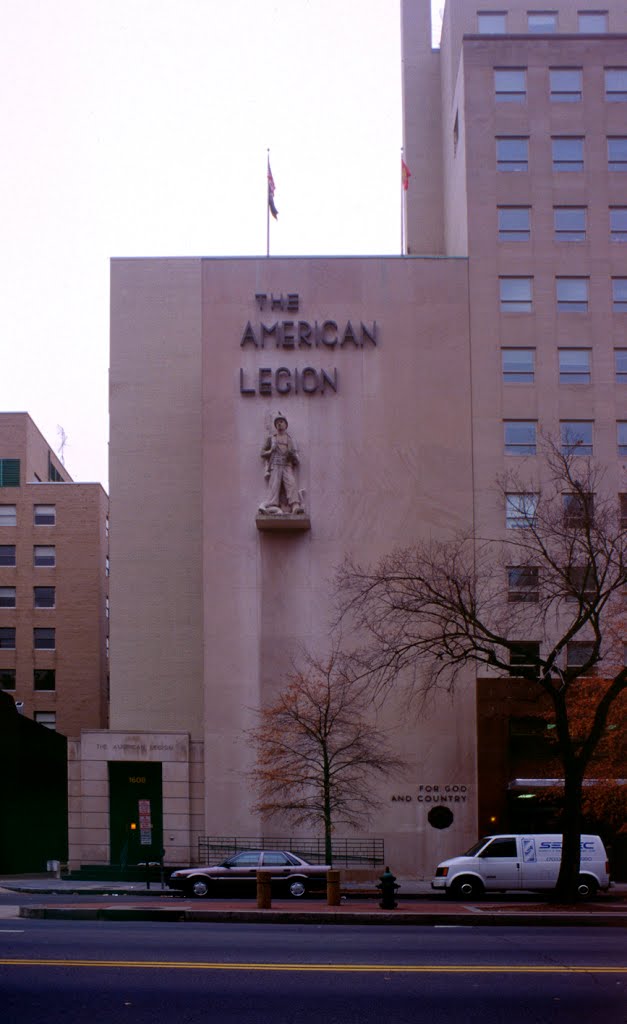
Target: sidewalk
x,y
359,906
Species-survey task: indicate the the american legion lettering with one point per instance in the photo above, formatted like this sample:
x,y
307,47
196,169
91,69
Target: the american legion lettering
x,y
293,334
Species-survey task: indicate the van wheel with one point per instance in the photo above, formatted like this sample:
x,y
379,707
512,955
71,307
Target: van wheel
x,y
587,887
466,889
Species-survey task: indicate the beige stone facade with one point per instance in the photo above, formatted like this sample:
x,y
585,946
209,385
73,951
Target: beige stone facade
x,y
356,354
53,584
89,788
401,379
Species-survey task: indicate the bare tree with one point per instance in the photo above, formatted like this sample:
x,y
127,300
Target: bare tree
x,y
545,604
317,749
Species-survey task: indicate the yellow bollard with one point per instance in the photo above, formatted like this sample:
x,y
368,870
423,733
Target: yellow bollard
x,y
333,888
264,890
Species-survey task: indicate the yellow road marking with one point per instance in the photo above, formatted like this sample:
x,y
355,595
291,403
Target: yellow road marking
x,y
337,968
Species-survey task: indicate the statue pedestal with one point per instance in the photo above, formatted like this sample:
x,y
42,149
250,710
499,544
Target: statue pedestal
x,y
287,522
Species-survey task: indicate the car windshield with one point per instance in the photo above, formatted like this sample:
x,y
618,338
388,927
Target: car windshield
x,y
474,850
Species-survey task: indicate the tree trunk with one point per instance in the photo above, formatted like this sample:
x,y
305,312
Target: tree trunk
x,y
566,888
328,826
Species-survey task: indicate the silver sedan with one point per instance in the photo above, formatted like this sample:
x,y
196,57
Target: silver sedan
x,y
289,874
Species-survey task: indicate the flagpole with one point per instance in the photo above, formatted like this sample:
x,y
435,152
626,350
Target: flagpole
x,y
267,206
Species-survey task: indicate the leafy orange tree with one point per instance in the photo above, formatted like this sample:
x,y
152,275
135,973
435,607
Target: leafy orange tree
x,y
604,794
543,601
318,749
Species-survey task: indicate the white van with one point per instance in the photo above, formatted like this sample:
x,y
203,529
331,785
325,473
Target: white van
x,y
503,862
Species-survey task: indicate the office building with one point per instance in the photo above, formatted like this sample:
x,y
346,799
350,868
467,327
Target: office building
x,y
410,383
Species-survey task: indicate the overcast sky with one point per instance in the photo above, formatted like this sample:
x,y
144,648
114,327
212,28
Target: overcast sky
x,y
140,128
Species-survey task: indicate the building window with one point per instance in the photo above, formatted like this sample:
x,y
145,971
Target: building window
x,y
107,566
593,22
567,153
9,472
53,473
43,639
541,22
514,223
520,510
7,597
566,85
622,505
8,515
570,223
45,515
524,654
578,509
578,653
619,294
7,678
572,294
46,718
43,597
107,609
576,437
516,294
510,85
491,23
580,581
617,154
512,153
621,436
620,365
44,556
518,365
616,85
523,583
44,679
574,365
7,554
520,437
618,224
7,638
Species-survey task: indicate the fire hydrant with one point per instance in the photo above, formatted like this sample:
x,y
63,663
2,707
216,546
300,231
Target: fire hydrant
x,y
388,887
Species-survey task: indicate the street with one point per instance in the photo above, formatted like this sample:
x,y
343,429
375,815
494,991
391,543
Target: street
x,y
254,974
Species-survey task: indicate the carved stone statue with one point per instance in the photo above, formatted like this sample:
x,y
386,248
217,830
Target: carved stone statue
x,y
280,455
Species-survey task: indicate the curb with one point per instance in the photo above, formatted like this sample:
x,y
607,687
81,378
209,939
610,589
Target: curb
x,y
400,918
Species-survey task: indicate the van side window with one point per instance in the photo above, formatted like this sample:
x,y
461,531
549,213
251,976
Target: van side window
x,y
500,848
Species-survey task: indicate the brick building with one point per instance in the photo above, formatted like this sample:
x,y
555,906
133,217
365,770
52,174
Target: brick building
x,y
53,584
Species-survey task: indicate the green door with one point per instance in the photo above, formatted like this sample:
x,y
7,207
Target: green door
x,y
135,812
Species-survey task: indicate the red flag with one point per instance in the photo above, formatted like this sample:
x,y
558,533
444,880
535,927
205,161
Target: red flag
x,y
405,175
273,209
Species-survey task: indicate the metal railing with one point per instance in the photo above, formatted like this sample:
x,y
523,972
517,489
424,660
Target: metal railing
x,y
354,852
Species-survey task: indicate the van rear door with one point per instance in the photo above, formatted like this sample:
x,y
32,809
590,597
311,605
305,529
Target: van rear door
x,y
500,864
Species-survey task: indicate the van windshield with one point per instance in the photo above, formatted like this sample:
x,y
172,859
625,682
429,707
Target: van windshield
x,y
474,850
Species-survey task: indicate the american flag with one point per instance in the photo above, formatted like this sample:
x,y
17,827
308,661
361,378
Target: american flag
x,y
405,175
273,209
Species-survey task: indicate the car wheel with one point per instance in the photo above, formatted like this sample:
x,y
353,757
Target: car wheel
x,y
198,887
297,888
466,889
587,887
